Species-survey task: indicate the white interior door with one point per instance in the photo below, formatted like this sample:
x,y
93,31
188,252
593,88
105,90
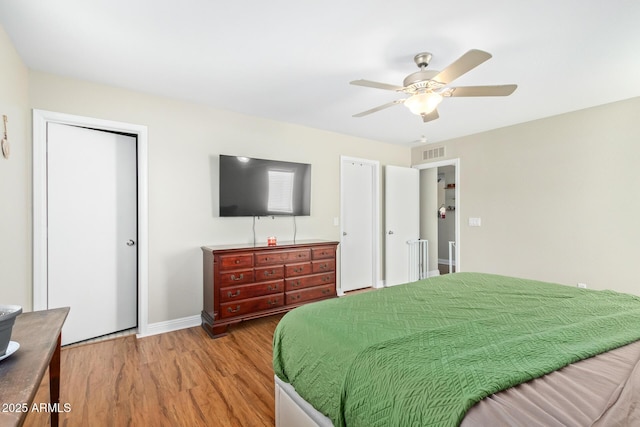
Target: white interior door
x,y
91,230
402,220
357,243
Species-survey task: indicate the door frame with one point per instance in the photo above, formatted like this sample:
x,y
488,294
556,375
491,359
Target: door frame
x,y
375,215
456,164
40,261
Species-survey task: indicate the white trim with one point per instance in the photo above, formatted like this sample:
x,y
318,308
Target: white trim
x,y
434,273
375,214
171,325
446,261
40,120
456,163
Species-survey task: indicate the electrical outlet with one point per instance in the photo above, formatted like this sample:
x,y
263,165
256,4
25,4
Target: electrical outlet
x,y
582,285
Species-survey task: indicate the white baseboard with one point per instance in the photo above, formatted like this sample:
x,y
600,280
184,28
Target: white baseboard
x,y
434,273
171,325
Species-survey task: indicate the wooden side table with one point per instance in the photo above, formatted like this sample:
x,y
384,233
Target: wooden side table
x,y
38,333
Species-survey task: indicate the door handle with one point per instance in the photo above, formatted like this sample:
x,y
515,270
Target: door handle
x,y
130,242
344,233
390,232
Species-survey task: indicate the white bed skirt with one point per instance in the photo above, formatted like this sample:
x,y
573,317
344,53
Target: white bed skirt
x,y
293,411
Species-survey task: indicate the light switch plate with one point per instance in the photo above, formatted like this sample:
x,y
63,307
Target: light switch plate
x,y
475,222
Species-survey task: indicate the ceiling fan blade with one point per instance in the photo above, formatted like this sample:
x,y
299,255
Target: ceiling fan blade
x,y
369,83
380,107
465,63
431,116
499,90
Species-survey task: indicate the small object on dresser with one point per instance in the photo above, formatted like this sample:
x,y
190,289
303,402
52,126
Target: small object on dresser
x,y
271,241
8,314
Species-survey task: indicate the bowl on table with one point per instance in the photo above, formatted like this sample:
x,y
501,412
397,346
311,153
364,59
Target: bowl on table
x,y
8,314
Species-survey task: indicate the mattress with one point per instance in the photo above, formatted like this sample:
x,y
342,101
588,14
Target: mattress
x,y
327,368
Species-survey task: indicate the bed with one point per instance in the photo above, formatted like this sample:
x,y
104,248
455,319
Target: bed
x,y
461,349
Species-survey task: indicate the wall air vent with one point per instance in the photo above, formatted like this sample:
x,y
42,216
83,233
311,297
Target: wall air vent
x,y
433,153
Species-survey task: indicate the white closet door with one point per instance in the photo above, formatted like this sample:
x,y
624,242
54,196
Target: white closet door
x,y
402,220
356,245
92,230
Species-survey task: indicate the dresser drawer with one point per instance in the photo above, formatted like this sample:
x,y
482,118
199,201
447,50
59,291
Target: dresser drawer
x,y
236,277
300,269
308,281
238,308
269,273
322,252
318,292
281,257
231,262
235,293
324,265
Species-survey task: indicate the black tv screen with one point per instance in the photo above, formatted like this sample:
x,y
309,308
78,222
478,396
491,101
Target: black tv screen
x,y
259,187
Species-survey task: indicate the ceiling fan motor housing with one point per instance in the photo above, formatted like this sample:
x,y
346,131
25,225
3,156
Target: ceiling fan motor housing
x,y
419,77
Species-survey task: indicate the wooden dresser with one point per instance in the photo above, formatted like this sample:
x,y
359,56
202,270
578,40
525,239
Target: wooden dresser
x,y
247,282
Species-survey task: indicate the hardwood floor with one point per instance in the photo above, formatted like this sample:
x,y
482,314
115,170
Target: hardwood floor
x,y
181,378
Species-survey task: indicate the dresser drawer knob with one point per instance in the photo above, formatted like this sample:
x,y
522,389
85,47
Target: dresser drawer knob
x,y
296,283
324,266
298,270
272,288
326,291
233,294
274,302
240,277
233,310
269,273
326,278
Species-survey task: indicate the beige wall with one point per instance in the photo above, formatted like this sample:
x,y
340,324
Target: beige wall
x,y
15,180
184,142
558,198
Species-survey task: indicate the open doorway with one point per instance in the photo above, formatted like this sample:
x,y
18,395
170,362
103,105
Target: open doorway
x,y
446,219
439,214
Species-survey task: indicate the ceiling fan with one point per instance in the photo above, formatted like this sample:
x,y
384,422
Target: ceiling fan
x,y
427,88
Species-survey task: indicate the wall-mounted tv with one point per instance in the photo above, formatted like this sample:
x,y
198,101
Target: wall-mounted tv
x,y
260,187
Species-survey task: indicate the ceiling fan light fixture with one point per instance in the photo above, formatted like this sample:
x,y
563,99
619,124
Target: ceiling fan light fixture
x,y
423,103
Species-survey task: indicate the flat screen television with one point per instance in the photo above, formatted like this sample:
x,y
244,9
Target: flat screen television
x,y
260,187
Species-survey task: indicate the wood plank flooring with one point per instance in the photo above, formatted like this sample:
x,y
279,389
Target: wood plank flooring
x,y
181,378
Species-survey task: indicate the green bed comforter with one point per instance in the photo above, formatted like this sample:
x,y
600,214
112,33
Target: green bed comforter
x,y
423,353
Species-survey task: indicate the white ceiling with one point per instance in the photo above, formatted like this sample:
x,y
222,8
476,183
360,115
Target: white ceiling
x,y
292,60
